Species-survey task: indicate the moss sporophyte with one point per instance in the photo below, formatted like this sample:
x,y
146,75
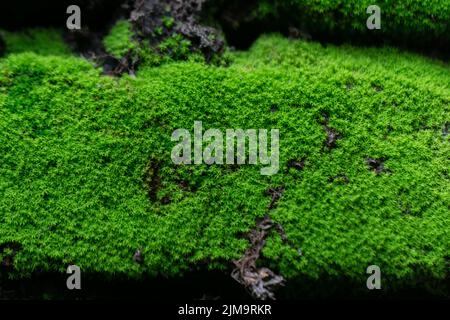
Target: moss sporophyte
x,y
213,153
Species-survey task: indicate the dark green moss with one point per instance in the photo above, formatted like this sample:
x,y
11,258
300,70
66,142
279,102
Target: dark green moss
x,y
411,23
120,41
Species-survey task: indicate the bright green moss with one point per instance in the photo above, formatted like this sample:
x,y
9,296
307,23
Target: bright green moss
x,y
119,41
74,148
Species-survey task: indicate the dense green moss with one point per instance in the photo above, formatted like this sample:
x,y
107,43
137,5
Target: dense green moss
x,y
79,152
413,23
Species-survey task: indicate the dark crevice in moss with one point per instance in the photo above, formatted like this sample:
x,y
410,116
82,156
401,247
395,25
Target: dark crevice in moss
x,y
296,164
2,46
445,129
117,66
17,15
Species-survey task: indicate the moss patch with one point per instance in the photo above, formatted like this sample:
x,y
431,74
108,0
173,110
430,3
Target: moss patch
x,y
78,154
40,41
120,39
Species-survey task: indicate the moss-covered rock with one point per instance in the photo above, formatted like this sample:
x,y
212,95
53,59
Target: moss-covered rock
x,y
120,41
86,175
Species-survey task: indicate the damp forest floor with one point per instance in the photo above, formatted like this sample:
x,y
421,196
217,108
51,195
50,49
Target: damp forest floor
x,y
86,175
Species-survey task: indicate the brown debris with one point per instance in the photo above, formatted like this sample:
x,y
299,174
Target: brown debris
x,y
153,179
261,282
183,184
